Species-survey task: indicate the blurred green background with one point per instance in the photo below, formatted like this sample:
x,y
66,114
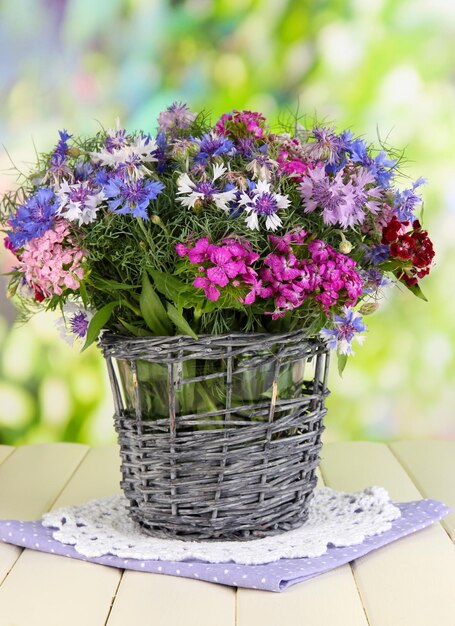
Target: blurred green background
x,y
380,67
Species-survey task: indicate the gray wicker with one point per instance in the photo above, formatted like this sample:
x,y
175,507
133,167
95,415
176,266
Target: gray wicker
x,y
237,471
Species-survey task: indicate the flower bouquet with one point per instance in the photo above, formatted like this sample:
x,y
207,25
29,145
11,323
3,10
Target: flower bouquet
x,y
217,265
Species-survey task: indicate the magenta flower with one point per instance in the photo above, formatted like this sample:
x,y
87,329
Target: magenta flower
x,y
196,254
224,267
229,263
241,124
209,288
327,276
292,166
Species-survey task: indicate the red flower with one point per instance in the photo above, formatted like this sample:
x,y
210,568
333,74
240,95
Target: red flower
x,y
411,245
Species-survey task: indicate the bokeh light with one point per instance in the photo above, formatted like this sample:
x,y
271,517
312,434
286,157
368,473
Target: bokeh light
x,y
381,67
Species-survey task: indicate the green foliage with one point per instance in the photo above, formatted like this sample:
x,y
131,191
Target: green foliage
x,y
152,309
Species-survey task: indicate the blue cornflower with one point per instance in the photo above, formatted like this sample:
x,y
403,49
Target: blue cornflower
x,y
378,254
373,280
213,145
406,201
58,165
381,167
160,152
346,328
61,149
83,170
131,196
34,217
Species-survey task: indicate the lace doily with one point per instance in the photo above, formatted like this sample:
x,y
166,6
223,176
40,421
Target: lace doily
x,y
103,527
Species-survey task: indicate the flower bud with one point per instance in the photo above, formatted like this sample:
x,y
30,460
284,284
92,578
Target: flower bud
x,y
345,246
74,152
368,308
156,219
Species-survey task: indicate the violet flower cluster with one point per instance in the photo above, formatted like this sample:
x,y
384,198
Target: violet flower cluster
x,y
223,227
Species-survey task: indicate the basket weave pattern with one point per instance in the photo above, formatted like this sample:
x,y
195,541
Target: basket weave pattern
x,y
241,470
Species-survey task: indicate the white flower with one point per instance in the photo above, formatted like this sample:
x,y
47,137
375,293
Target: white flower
x,y
79,202
74,322
263,202
134,153
191,192
261,167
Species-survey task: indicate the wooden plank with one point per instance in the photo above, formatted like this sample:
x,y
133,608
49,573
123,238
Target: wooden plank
x,y
410,582
48,590
431,465
157,600
31,478
330,599
59,590
327,600
97,476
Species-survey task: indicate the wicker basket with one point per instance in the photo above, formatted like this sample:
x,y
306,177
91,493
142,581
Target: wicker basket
x,y
219,437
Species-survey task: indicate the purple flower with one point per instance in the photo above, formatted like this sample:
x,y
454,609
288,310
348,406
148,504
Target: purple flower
x,y
346,328
61,149
331,195
58,165
342,202
378,254
328,145
406,201
78,324
83,171
131,196
34,217
381,167
161,152
263,202
373,280
116,139
176,117
213,145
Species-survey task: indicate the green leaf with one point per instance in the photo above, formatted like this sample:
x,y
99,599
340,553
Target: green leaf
x,y
169,286
416,291
98,281
342,360
152,309
134,330
178,319
83,292
98,322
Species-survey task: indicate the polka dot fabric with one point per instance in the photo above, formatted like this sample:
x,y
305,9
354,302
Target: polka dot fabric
x,y
276,576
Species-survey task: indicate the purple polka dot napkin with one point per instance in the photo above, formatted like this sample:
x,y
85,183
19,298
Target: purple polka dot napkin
x,y
276,576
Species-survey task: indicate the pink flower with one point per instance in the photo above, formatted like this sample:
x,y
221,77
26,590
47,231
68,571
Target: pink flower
x,y
292,166
256,290
224,267
241,124
229,263
52,263
209,288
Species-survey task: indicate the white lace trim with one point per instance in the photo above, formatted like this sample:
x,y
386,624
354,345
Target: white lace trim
x,y
103,527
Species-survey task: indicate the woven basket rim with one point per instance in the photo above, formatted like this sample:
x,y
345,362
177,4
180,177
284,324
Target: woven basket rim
x,y
108,338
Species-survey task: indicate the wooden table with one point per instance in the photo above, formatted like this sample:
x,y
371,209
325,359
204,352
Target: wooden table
x,y
410,582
